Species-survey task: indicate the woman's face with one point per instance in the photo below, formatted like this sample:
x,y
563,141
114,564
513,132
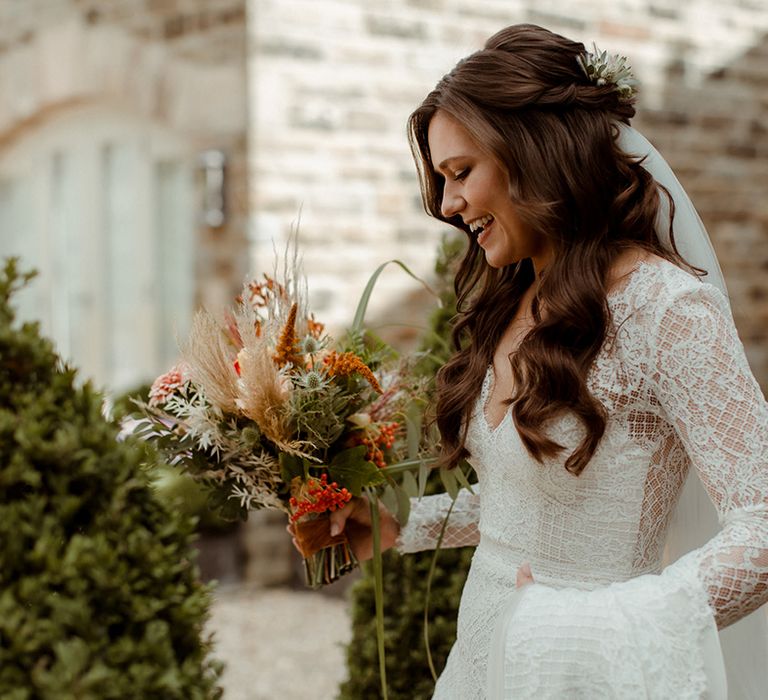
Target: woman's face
x,y
477,189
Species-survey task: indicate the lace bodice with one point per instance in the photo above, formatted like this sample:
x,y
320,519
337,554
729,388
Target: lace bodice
x,y
675,381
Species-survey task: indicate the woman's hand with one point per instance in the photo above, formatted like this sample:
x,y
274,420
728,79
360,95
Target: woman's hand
x,y
524,575
354,519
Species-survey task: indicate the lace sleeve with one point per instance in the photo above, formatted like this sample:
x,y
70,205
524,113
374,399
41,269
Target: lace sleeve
x,y
700,376
426,520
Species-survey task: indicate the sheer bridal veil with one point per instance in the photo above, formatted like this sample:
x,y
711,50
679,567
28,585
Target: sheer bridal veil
x,y
745,643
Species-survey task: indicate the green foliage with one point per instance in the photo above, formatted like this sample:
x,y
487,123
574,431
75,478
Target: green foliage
x,y
99,595
174,488
319,412
368,346
405,577
349,468
436,344
178,491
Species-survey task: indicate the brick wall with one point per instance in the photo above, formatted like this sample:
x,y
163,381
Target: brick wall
x,y
332,83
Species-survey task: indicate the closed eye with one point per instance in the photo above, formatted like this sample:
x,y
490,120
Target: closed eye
x,y
461,174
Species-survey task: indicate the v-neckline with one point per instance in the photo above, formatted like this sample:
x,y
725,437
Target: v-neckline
x,y
489,383
489,380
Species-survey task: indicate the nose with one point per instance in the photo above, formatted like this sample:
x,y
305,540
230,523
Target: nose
x,y
452,202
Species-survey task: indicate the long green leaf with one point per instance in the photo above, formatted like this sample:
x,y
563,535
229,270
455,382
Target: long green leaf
x,y
410,465
432,567
362,306
413,420
461,477
403,503
409,484
389,498
378,577
423,477
450,482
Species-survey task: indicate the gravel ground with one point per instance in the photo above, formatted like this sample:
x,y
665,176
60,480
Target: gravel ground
x,y
280,644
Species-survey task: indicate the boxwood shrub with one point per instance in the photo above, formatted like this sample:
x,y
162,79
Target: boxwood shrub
x,y
99,594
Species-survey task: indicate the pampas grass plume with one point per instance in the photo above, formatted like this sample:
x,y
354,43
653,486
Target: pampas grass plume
x,y
263,390
210,358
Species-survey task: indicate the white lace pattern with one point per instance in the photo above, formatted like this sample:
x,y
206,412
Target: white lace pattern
x,y
679,393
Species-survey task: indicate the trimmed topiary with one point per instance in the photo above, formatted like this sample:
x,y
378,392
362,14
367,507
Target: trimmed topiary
x,y
405,577
99,595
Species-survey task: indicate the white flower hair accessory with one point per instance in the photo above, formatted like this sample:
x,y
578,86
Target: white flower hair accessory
x,y
603,69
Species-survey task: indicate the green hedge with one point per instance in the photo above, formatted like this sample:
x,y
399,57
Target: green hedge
x,y
99,595
405,577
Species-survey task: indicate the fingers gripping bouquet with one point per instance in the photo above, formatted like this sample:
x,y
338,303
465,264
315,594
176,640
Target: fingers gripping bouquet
x,y
269,412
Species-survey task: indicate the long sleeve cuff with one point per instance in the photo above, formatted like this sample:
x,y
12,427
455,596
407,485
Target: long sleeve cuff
x,y
428,513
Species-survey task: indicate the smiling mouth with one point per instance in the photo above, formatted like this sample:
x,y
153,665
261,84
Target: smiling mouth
x,y
485,232
479,225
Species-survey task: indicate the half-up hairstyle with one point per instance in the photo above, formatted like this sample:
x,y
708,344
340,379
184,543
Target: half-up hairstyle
x,y
526,102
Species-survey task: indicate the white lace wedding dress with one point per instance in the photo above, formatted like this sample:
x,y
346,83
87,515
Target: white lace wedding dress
x,y
602,619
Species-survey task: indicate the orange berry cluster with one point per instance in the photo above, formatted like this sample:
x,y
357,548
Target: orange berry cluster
x,y
346,363
380,439
319,499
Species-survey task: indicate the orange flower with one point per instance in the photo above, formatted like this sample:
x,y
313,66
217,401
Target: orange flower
x,y
262,292
346,363
315,328
287,347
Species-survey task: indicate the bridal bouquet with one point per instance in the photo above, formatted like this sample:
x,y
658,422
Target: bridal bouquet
x,y
268,411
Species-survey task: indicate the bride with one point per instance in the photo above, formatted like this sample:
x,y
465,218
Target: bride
x,y
596,366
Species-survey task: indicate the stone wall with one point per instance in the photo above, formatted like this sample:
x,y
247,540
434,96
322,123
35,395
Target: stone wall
x,y
331,84
314,125
178,64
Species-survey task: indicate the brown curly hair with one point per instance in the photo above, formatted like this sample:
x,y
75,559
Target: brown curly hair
x,y
525,101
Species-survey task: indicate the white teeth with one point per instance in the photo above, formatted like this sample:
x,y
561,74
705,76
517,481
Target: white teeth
x,y
480,223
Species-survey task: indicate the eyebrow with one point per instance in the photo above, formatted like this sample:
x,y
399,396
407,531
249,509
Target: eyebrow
x,y
448,160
